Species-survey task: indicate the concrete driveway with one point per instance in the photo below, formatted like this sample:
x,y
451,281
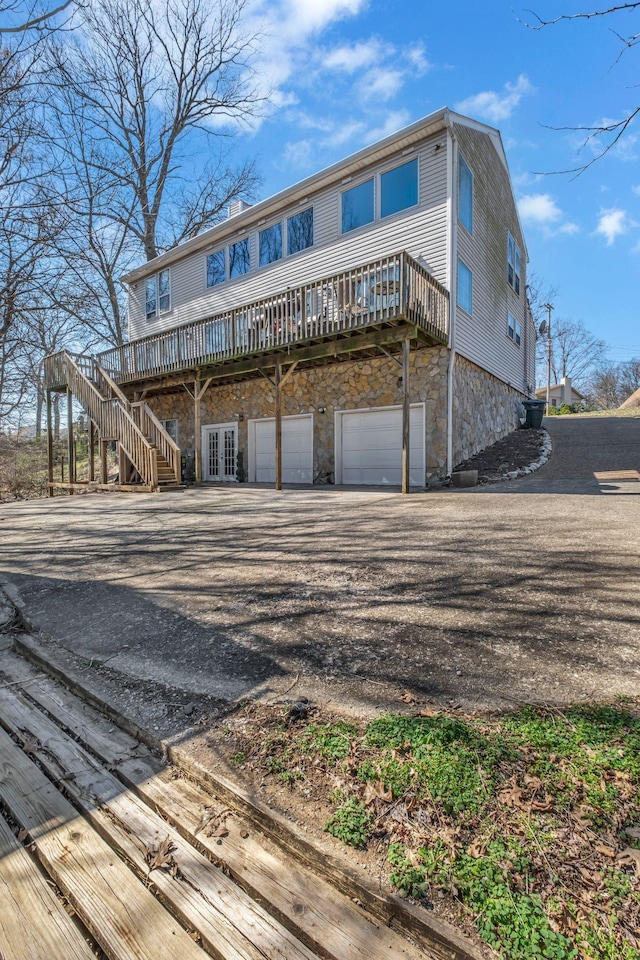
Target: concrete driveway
x,y
522,591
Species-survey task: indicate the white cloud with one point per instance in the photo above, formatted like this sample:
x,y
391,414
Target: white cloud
x,y
350,59
613,223
381,84
496,107
539,208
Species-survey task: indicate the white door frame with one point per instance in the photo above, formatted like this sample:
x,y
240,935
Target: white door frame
x,y
251,438
337,433
232,424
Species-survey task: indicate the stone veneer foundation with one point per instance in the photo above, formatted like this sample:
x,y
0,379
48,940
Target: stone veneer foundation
x,y
484,408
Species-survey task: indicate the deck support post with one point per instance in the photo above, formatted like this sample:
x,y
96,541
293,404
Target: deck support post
x,y
103,461
199,390
278,400
406,347
92,451
70,444
123,466
50,444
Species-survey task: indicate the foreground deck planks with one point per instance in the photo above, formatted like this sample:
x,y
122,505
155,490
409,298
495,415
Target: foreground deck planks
x,y
231,926
124,918
326,919
33,922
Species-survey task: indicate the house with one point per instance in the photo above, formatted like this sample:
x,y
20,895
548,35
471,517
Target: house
x,y
367,325
632,401
563,392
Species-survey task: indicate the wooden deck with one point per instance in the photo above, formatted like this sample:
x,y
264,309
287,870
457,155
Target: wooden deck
x,y
372,306
153,864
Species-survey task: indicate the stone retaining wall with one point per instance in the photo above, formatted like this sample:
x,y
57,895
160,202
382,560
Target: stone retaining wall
x,y
484,409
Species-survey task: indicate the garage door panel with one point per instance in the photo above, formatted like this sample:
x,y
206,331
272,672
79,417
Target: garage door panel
x,y
371,447
297,450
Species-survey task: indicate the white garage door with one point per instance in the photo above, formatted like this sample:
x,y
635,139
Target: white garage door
x,y
370,446
297,450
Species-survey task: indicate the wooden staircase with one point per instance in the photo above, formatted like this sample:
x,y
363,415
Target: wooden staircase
x,y
149,458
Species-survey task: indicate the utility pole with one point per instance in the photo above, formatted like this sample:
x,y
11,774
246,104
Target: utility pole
x,y
549,308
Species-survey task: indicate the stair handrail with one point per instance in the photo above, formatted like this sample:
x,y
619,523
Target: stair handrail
x,y
167,447
114,421
113,386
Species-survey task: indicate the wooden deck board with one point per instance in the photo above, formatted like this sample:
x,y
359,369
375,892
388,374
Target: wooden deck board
x,y
303,902
231,925
122,916
33,922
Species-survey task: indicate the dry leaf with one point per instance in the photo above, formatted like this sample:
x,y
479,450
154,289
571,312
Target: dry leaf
x,y
477,849
376,791
161,857
409,697
22,835
427,712
219,831
604,849
630,857
31,745
633,832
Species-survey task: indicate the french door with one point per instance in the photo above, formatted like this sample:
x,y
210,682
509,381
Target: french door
x,y
219,451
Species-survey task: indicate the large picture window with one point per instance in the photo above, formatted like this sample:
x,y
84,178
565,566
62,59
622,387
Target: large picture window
x,y
300,231
465,287
358,206
270,244
399,188
216,272
239,258
465,195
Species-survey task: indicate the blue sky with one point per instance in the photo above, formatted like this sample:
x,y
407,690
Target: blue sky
x,y
343,73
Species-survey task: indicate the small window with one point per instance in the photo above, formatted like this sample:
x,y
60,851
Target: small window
x,y
465,195
465,287
300,231
513,264
158,294
399,188
239,258
270,244
164,291
357,206
216,268
514,330
151,297
171,427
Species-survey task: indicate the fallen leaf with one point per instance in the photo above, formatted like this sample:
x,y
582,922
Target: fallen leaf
x,y
22,835
604,849
427,712
630,857
633,832
32,745
409,698
161,857
377,791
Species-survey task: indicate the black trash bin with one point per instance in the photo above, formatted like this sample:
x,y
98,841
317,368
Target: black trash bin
x,y
535,412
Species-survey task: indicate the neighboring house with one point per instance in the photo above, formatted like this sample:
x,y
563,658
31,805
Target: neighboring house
x,y
632,401
560,393
368,325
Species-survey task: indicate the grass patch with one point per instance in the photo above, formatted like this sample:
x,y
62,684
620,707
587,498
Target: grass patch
x,y
517,823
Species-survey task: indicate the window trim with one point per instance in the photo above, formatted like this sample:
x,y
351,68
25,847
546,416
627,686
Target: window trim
x,y
462,163
155,280
468,310
514,265
514,329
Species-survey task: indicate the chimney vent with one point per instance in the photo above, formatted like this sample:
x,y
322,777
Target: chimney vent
x,y
238,206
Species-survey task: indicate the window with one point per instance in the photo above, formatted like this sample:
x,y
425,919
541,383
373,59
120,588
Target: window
x,y
300,231
399,188
239,258
357,206
158,294
171,427
465,287
216,272
465,195
270,244
514,330
513,264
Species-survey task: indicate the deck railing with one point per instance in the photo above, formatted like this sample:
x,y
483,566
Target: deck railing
x,y
385,289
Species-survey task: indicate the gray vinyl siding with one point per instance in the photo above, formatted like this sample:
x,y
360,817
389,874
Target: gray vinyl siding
x,y
482,337
421,230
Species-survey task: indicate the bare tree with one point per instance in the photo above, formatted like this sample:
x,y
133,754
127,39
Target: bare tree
x,y
611,384
35,17
575,352
606,135
153,88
